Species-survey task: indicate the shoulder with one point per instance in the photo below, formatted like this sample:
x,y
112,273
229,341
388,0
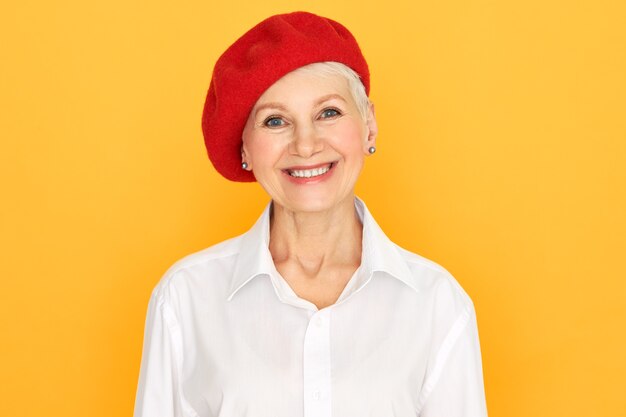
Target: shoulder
x,y
435,282
198,268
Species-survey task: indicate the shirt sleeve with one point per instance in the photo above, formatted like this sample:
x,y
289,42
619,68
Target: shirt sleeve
x,y
158,390
455,386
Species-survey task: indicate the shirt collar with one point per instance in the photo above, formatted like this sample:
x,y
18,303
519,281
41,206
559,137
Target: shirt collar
x,y
379,254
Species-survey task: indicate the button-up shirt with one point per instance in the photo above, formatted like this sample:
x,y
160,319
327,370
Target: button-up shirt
x,y
227,336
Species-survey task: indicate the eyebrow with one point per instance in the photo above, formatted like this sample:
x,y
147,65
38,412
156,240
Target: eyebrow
x,y
279,106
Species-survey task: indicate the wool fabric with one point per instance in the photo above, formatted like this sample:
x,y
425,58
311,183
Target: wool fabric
x,y
259,58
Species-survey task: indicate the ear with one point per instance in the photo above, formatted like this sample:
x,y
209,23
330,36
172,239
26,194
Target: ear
x,y
372,128
244,158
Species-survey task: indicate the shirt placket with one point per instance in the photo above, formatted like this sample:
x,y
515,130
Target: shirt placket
x,y
316,367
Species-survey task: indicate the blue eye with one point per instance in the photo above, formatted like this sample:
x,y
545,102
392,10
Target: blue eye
x,y
329,113
273,121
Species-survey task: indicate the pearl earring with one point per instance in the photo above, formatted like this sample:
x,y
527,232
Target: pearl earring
x,y
371,150
244,165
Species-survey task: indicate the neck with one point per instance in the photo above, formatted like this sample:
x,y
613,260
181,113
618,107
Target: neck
x,y
315,240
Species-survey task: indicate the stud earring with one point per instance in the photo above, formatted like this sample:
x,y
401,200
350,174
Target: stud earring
x,y
244,165
371,150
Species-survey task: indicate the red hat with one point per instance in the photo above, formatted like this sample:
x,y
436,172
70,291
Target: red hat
x,y
263,55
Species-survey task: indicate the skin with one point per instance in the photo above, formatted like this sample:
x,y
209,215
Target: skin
x,y
306,120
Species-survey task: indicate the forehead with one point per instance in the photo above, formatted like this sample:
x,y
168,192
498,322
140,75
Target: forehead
x,y
305,86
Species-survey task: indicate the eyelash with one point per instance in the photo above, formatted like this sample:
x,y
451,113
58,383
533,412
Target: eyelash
x,y
275,117
338,113
266,121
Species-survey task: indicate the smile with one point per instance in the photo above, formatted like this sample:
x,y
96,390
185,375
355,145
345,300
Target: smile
x,y
321,173
310,173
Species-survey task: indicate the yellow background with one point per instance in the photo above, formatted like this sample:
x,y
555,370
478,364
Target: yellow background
x,y
501,156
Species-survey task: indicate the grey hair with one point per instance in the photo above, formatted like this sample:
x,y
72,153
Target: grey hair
x,y
356,87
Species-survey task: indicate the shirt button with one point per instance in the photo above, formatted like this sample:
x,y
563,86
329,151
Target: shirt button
x,y
319,321
316,395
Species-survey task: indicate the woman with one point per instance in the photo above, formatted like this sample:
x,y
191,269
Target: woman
x,y
313,312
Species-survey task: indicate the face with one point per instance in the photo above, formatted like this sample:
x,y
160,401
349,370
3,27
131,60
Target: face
x,y
306,142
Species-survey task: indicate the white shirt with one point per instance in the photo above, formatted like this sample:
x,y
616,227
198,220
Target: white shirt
x,y
226,336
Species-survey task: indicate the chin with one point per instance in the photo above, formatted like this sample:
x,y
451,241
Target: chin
x,y
312,202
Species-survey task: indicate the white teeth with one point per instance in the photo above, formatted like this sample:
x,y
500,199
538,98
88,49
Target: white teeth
x,y
308,173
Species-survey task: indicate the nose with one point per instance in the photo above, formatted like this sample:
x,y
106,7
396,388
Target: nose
x,y
306,141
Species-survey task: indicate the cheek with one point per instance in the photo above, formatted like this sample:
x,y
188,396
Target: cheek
x,y
262,150
349,139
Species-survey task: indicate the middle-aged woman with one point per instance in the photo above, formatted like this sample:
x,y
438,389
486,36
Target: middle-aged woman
x,y
313,312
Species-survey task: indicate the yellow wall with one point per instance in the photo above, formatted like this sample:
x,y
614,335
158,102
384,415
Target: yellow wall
x,y
501,156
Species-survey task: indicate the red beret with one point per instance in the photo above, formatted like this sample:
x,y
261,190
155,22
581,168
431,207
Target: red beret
x,y
271,49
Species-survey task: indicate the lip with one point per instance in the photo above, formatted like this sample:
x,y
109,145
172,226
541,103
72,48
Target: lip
x,y
305,167
311,180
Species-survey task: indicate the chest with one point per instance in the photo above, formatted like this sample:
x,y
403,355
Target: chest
x,y
364,356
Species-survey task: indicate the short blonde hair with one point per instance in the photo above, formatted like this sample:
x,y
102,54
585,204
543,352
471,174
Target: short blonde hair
x,y
356,87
